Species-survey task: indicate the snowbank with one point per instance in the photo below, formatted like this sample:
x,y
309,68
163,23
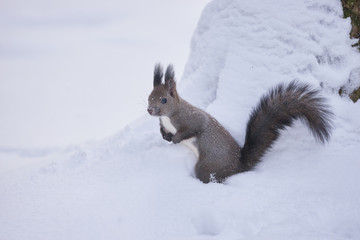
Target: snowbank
x,y
134,185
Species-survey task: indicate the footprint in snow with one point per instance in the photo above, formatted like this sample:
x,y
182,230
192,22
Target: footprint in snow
x,y
207,223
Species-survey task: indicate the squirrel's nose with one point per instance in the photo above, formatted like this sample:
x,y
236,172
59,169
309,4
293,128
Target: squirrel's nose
x,y
150,110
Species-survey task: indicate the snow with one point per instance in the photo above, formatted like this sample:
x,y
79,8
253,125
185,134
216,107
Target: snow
x,y
135,185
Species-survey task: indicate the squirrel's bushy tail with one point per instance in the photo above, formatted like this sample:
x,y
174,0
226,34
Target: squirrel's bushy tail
x,y
276,111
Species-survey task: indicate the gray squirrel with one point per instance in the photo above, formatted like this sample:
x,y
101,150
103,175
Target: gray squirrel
x,y
219,155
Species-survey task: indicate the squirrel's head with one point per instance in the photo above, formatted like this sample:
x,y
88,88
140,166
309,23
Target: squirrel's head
x,y
163,100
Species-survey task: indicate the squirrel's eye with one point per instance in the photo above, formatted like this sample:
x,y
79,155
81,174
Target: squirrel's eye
x,y
163,100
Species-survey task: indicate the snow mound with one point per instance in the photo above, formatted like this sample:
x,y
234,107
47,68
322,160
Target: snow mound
x,y
134,185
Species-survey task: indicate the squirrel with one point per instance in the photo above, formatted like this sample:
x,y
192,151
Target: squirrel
x,y
219,155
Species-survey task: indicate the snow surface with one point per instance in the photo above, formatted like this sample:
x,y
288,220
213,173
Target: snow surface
x,y
135,185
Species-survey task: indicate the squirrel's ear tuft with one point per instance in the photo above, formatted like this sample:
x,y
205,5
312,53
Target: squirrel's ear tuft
x,y
169,74
170,80
158,74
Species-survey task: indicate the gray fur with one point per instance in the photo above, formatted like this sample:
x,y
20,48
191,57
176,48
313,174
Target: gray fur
x,y
219,154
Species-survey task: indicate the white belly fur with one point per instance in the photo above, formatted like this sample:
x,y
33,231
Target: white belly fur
x,y
190,143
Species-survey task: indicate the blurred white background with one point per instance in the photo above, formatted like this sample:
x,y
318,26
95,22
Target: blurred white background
x,y
73,71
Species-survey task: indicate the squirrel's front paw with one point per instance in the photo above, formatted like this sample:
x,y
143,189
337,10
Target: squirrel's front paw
x,y
166,135
176,138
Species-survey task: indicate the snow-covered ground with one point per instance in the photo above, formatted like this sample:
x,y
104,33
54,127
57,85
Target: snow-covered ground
x,y
135,185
